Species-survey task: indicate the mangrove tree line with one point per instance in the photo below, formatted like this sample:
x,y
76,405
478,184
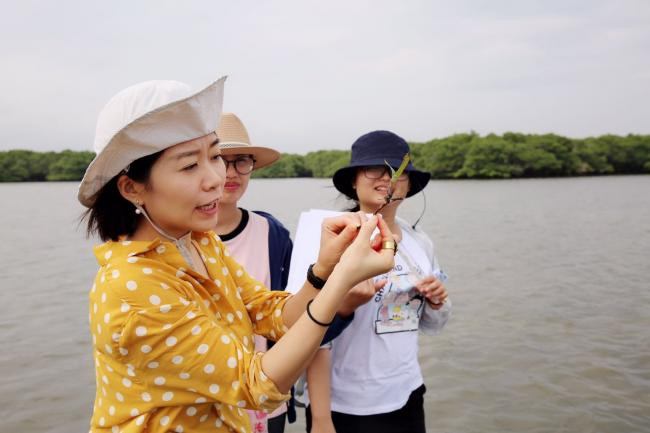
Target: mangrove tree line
x,y
467,155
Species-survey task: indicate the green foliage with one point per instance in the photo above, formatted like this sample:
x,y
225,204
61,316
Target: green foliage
x,y
25,165
468,155
70,165
289,165
627,154
14,165
323,163
592,155
29,166
492,157
443,158
546,155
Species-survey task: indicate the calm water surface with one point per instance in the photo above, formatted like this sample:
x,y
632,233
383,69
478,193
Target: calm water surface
x,y
551,324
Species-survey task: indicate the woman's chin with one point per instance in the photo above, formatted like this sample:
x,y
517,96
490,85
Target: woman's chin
x,y
377,200
204,223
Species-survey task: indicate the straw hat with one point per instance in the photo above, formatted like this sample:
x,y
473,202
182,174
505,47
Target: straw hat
x,y
378,148
234,139
144,119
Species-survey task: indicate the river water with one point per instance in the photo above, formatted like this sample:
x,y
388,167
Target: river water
x,y
549,277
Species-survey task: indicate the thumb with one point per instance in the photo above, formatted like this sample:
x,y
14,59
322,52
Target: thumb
x,y
367,228
380,284
375,242
346,236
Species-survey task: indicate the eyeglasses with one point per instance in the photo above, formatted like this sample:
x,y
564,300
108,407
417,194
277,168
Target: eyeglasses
x,y
242,164
378,171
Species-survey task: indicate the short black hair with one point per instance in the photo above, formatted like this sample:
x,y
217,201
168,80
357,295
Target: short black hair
x,y
111,215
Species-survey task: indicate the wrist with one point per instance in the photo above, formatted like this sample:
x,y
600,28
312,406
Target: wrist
x,y
338,286
345,312
321,417
343,274
313,279
321,271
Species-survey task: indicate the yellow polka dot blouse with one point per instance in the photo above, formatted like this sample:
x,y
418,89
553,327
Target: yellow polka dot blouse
x,y
174,351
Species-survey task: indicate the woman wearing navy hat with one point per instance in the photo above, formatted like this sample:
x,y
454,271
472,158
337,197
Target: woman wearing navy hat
x,y
376,382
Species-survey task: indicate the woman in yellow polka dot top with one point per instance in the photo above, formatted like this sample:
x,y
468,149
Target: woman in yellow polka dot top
x,y
172,315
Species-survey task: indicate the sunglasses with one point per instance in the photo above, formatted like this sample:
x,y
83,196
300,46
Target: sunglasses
x,y
378,171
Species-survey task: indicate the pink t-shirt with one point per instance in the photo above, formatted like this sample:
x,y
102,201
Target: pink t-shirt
x,y
249,245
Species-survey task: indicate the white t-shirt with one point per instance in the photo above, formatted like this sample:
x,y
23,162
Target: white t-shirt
x,y
375,360
376,372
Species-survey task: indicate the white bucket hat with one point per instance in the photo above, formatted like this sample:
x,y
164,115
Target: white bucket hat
x,y
144,119
234,139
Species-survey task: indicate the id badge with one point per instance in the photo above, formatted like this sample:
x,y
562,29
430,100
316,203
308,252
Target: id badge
x,y
401,306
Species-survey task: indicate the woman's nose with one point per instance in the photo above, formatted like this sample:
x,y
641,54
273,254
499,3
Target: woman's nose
x,y
214,176
231,171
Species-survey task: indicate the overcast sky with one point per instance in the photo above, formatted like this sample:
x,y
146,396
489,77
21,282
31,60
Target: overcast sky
x,y
308,75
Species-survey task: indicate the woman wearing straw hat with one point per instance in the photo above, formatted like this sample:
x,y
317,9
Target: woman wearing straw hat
x,y
172,314
247,235
376,383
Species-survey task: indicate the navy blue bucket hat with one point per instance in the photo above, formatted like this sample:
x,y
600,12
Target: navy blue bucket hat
x,y
378,148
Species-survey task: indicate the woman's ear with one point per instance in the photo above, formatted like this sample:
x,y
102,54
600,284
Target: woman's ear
x,y
130,189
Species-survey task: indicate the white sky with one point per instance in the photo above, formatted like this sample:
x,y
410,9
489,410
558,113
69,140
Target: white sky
x,y
309,75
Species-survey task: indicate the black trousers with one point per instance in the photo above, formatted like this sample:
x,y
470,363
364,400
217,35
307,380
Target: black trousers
x,y
276,424
408,419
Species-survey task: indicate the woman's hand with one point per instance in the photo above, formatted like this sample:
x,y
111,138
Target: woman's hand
x,y
337,233
433,291
322,426
366,258
359,295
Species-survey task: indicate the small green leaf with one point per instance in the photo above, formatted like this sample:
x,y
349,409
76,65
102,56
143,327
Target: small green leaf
x,y
400,170
393,180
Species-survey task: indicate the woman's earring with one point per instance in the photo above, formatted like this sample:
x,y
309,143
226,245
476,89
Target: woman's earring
x,y
137,207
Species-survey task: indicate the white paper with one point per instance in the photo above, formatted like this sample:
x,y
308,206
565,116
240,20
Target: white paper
x,y
305,246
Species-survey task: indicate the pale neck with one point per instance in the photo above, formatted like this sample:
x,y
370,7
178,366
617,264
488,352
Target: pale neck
x,y
229,218
147,232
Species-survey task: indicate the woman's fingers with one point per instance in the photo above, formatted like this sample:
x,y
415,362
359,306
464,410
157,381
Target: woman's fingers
x,y
337,233
344,228
334,225
433,290
367,227
375,242
424,282
379,285
361,216
338,223
436,296
386,234
362,261
385,239
439,291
